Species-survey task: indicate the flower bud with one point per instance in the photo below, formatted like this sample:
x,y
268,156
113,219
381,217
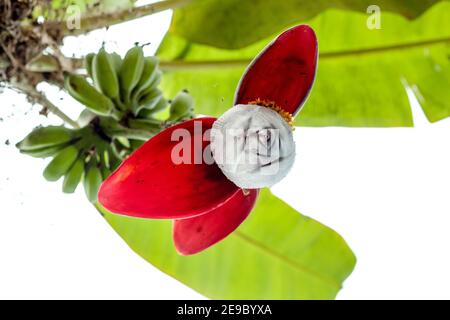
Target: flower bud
x,y
253,146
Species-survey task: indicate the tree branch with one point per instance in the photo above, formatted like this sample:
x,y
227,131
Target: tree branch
x,y
91,23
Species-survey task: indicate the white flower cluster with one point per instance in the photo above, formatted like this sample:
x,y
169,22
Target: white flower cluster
x,y
253,146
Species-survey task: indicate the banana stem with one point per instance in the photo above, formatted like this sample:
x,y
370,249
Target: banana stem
x,y
56,111
40,98
91,23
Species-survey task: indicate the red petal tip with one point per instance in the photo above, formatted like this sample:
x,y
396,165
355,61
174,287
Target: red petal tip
x,y
284,72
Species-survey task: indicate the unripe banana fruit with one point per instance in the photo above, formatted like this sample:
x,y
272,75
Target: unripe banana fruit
x,y
131,71
45,152
92,181
156,80
149,113
73,176
117,61
149,101
80,89
44,137
181,107
104,74
88,63
61,164
149,73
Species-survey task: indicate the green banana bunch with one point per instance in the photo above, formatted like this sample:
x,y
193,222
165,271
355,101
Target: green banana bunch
x,y
128,84
104,74
181,107
44,142
92,169
80,89
71,150
61,164
124,108
120,85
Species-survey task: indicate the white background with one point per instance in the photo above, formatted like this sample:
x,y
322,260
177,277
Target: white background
x,y
386,191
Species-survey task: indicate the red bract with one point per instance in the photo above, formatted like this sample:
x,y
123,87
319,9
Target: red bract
x,y
205,206
195,234
150,185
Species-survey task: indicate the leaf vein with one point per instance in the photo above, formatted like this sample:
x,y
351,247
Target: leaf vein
x,y
293,264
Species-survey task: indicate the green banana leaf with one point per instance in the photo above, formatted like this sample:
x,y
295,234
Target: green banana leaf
x,y
361,77
238,23
277,253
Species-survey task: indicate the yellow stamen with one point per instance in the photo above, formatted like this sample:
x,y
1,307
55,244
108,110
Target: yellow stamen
x,y
272,105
